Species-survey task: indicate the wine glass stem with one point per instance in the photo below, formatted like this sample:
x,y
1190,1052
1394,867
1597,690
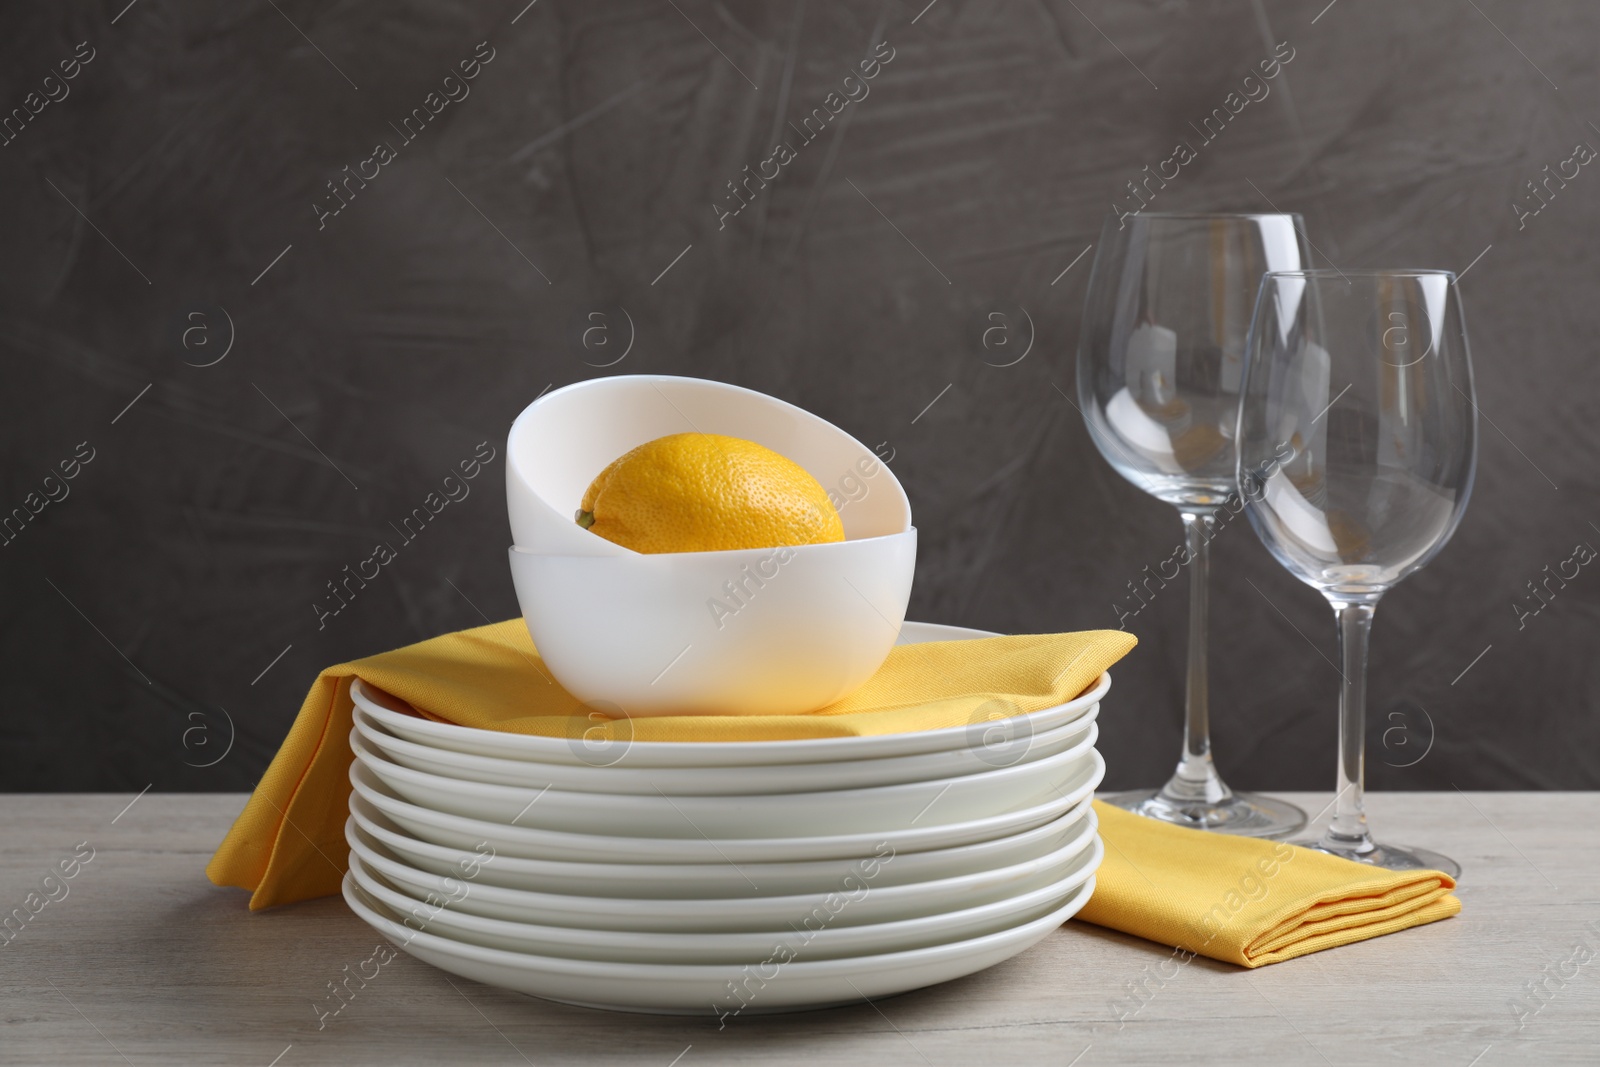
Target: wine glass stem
x,y
1348,830
1196,777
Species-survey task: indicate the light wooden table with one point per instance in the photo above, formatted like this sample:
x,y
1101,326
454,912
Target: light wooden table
x,y
144,961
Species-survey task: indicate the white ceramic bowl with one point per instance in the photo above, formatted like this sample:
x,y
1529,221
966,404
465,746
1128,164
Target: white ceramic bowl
x,y
866,903
1002,751
578,751
750,632
456,831
704,880
871,810
566,437
706,989
633,946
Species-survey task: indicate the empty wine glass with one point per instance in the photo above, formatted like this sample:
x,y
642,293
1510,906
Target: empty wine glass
x,y
1357,446
1160,361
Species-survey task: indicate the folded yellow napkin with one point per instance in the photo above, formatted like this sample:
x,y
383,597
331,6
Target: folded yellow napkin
x,y
1245,901
288,844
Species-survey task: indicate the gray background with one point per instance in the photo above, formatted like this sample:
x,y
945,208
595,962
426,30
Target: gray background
x,y
141,612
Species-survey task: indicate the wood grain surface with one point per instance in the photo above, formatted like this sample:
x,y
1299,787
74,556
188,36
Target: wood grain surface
x,y
143,961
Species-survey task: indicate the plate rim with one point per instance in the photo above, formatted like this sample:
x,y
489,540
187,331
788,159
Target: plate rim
x,y
575,868
667,972
802,903
847,845
621,802
801,750
377,735
663,940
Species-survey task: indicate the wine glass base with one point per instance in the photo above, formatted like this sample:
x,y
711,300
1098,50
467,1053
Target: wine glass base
x,y
1244,814
1389,857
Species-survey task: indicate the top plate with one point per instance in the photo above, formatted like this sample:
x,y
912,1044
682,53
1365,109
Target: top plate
x,y
578,751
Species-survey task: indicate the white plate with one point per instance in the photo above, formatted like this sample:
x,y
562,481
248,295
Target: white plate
x,y
994,745
873,810
854,901
708,989
576,751
719,879
822,943
463,833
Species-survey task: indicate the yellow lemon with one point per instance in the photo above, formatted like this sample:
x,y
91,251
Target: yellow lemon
x,y
700,492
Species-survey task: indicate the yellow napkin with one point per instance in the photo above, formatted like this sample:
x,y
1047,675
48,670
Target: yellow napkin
x,y
1245,901
288,844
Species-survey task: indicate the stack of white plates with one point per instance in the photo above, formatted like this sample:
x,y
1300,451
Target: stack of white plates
x,y
723,878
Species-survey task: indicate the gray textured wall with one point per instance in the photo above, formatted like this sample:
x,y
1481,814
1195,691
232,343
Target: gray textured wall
x,y
381,348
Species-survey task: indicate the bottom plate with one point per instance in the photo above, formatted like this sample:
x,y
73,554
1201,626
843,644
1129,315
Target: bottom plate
x,y
778,983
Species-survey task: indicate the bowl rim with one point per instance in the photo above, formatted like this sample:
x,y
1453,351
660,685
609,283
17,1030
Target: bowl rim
x,y
720,553
608,381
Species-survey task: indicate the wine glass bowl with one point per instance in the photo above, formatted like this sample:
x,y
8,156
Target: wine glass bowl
x,y
1380,454
1163,344
1160,362
1357,447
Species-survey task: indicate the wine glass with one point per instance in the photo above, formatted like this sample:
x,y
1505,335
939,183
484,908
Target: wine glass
x,y
1160,361
1357,444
